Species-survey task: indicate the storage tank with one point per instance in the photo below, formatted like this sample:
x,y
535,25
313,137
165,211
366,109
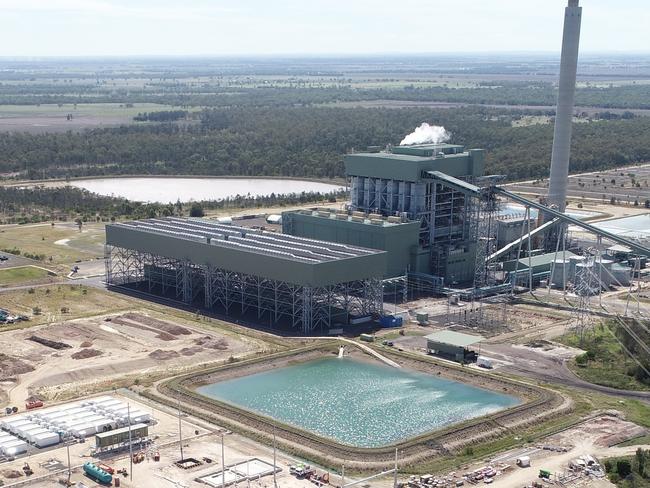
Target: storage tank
x,y
621,274
573,260
560,270
96,473
603,270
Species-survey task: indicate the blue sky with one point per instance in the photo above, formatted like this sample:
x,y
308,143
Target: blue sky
x,y
234,27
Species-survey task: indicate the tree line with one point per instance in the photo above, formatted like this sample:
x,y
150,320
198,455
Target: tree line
x,y
19,205
633,96
311,142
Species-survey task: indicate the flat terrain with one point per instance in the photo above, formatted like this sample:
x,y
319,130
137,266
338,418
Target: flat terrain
x,y
37,119
97,352
625,184
44,304
61,244
23,275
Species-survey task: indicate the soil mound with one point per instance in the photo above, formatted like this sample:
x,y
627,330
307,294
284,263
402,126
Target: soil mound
x,y
48,343
212,343
11,366
168,327
161,355
86,353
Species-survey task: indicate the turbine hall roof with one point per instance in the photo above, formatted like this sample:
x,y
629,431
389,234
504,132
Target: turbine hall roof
x,y
251,251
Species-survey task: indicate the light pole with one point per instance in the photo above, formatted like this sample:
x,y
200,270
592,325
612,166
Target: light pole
x,y
275,481
223,464
128,414
180,430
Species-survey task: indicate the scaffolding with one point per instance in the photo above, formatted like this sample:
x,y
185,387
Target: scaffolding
x,y
305,308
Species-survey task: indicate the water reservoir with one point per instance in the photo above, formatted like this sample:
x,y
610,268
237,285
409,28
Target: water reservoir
x,y
169,190
359,403
636,226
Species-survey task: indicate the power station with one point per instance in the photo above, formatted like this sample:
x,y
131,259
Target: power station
x,y
422,214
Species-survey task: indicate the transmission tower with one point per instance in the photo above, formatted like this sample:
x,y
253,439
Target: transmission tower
x,y
586,285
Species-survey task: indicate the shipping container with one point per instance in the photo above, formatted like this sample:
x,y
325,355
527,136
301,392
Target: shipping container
x,y
119,436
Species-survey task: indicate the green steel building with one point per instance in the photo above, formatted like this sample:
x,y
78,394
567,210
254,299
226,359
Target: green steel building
x,y
271,278
399,239
397,184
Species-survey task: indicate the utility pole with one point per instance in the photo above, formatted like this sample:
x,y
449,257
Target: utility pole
x,y
128,414
67,448
395,473
180,430
223,464
275,481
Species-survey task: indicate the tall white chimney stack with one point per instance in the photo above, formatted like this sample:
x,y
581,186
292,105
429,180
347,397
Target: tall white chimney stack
x,y
564,112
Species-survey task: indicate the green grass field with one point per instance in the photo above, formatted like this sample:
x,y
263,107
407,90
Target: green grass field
x,y
82,109
63,242
21,275
45,304
608,364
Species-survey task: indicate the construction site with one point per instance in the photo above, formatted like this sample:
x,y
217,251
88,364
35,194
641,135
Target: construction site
x,y
438,328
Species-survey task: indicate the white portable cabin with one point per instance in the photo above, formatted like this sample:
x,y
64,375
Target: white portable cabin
x,y
96,400
140,417
83,431
50,416
104,425
17,426
111,405
32,435
28,434
6,437
117,408
14,448
46,439
93,419
75,411
5,423
86,415
63,421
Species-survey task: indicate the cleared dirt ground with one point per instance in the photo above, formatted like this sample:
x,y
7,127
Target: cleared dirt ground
x,y
131,345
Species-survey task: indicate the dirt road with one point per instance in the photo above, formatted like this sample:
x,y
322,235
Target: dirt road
x,y
528,362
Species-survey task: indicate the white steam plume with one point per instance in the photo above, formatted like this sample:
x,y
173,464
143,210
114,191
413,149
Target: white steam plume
x,y
426,134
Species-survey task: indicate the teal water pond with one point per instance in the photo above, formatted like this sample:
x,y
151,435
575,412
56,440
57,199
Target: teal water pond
x,y
358,403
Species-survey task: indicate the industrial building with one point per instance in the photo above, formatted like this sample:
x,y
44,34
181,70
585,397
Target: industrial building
x,y
398,237
399,182
423,215
452,345
394,192
272,278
